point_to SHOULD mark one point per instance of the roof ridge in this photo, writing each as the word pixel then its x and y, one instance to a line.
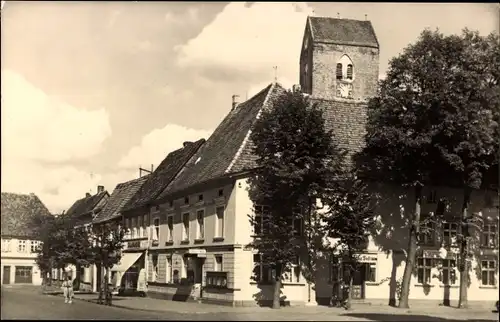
pixel 247 136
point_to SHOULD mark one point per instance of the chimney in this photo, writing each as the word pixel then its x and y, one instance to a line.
pixel 296 88
pixel 235 102
pixel 185 144
pixel 100 189
pixel 87 194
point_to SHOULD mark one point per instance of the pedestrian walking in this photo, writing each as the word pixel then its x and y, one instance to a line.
pixel 67 287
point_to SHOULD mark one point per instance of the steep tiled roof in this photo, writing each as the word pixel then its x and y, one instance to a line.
pixel 18 212
pixel 119 198
pixel 347 121
pixel 163 175
pixel 343 31
pixel 85 206
pixel 227 150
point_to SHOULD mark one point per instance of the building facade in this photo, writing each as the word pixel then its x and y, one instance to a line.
pixel 19 248
pixel 195 259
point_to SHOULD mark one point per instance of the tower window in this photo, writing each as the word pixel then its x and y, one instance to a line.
pixel 339 71
pixel 349 71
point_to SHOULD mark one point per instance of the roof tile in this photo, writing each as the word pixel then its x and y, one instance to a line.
pixel 18 212
pixel 343 31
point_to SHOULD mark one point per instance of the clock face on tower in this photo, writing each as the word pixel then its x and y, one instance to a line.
pixel 344 90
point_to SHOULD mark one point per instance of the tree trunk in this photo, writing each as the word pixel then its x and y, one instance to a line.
pixel 101 287
pixel 277 288
pixel 348 302
pixel 464 267
pixel 412 249
pixel 106 288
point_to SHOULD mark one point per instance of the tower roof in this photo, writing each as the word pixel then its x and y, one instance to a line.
pixel 342 31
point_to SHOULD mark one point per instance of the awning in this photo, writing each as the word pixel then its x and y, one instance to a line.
pixel 127 260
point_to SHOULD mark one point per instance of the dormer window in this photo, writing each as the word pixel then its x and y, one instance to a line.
pixel 339 71
pixel 349 71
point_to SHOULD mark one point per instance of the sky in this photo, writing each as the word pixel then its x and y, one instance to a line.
pixel 93 90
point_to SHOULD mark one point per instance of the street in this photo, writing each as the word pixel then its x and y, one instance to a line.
pixel 30 303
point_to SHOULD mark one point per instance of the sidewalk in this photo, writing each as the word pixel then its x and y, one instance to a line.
pixel 312 312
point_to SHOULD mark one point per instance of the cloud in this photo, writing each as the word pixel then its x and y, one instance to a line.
pixel 41 135
pixel 36 126
pixel 253 41
pixel 155 145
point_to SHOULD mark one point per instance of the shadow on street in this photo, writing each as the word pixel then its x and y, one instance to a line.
pixel 405 317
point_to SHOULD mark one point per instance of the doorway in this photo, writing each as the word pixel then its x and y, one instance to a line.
pixel 6 275
pixel 24 275
pixel 358 283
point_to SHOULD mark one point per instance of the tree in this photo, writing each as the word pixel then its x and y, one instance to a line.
pixel 296 159
pixel 426 124
pixel 348 222
pixel 107 244
pixel 468 136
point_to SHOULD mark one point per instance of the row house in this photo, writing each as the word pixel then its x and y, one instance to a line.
pixel 81 214
pixel 112 213
pixel 19 246
pixel 200 221
pixel 141 221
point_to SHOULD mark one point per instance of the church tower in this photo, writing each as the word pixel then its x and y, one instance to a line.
pixel 339 59
pixel 339 67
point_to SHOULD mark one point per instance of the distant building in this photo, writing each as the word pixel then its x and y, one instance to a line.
pixel 81 213
pixel 112 212
pixel 19 245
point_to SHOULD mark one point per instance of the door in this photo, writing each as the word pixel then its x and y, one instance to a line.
pixel 24 275
pixel 358 283
pixel 6 275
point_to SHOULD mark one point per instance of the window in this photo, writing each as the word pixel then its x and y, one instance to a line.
pixel 133 226
pixel 154 262
pixel 261 224
pixel 35 244
pixel 186 200
pixel 262 271
pixel 219 222
pixel 200 197
pixel 424 266
pixel 140 224
pixel 169 276
pixel 334 269
pixel 295 270
pixel 217 279
pixel 371 272
pixel 24 275
pixel 21 246
pixel 427 232
pixel 450 233
pixel 338 71
pixel 432 197
pixel 489 236
pixel 448 274
pixel 200 220
pixel 171 204
pixel 6 245
pixel 218 263
pixel 170 226
pixel 221 192
pixel 156 230
pixel 298 226
pixel 185 224
pixel 488 270
pixel 349 71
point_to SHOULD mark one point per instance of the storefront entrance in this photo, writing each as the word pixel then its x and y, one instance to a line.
pixel 194 271
pixel 6 275
pixel 24 275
